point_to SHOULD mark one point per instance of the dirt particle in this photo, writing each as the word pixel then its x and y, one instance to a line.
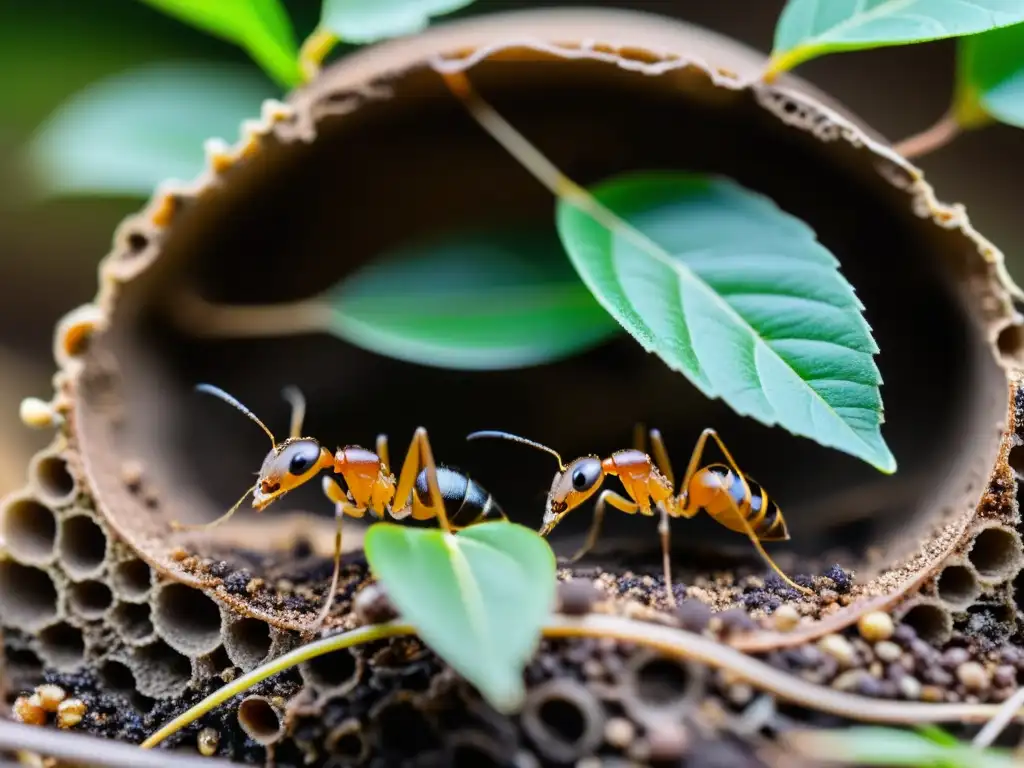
pixel 577 597
pixel 70 713
pixel 973 676
pixel 667 743
pixel 839 648
pixel 843 581
pixel 207 742
pixel 50 696
pixel 28 710
pixel 875 626
pixel 694 615
pixel 909 687
pixel 888 651
pixel 1004 676
pixel 619 732
pixel 786 618
pixel 372 606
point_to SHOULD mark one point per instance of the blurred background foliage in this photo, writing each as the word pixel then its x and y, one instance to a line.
pixel 51 49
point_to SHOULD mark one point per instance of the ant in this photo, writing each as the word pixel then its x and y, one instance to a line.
pixel 421 491
pixel 732 499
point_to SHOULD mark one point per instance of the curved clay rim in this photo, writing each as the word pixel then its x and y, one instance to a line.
pixel 666 47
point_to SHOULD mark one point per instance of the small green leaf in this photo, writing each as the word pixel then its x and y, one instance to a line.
pixel 367 21
pixel 124 134
pixel 484 300
pixel 739 297
pixel 810 28
pixel 990 77
pixel 870 745
pixel 261 27
pixel 478 598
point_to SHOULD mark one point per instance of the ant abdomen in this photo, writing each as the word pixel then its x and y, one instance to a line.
pixel 466 500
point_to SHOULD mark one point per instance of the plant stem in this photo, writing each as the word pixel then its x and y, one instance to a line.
pixel 930 139
pixel 283 663
pixel 314 50
pixel 995 726
pixel 667 640
pixel 203 318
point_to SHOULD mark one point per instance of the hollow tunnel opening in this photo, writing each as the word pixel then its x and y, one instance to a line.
pixel 415 165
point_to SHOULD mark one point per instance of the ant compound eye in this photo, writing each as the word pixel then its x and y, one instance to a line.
pixel 579 480
pixel 586 474
pixel 303 458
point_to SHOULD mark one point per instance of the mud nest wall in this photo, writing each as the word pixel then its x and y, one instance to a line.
pixel 100 594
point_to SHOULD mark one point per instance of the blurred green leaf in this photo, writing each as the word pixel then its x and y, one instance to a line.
pixel 489 299
pixel 367 21
pixel 126 133
pixel 990 77
pixel 741 298
pixel 810 28
pixel 261 27
pixel 870 745
pixel 478 598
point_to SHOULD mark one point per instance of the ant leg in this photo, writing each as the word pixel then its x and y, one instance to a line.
pixel 342 507
pixel 420 455
pixel 666 560
pixel 298 402
pixel 213 524
pixel 621 503
pixel 382 453
pixel 742 518
pixel 430 466
pixel 400 507
pixel 661 456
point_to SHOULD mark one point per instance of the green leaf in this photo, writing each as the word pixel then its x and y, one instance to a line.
pixel 478 598
pixel 810 28
pixel 990 78
pixel 124 134
pixel 261 27
pixel 870 745
pixel 367 21
pixel 739 297
pixel 483 300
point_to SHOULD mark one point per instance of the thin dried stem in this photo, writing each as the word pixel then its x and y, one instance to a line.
pixel 931 139
pixel 995 726
pixel 667 640
pixel 203 318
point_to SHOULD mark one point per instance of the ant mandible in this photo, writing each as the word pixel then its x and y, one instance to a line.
pixel 420 492
pixel 735 501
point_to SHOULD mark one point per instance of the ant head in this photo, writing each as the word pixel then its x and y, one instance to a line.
pixel 287 466
pixel 572 486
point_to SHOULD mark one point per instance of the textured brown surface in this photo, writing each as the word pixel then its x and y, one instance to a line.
pixel 100 590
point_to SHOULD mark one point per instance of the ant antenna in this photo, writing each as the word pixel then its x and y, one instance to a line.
pixel 517 439
pixel 218 392
pixel 296 399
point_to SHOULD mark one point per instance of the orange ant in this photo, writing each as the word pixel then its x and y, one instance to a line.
pixel 734 500
pixel 418 493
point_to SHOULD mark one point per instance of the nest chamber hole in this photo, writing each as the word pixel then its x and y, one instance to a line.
pixel 132 580
pixel 333 672
pixel 662 682
pixel 132 621
pixel 90 599
pixel 995 553
pixel 187 619
pixel 117 677
pixel 260 720
pixel 53 478
pixel 247 642
pixel 28 596
pixel 932 623
pixel 83 545
pixel 29 530
pixel 62 645
pixel 563 719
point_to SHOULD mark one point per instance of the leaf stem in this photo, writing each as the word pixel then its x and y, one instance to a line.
pixel 667 640
pixel 314 50
pixel 783 62
pixel 197 316
pixel 930 139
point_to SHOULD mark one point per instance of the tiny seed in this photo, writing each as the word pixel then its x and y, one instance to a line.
pixel 785 618
pixel 973 676
pixel 619 732
pixel 208 741
pixel 50 696
pixel 910 687
pixel 29 712
pixel 888 651
pixel 37 414
pixel 876 626
pixel 839 648
pixel 70 713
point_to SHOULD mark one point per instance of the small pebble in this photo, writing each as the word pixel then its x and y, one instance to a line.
pixel 973 676
pixel 839 648
pixel 577 597
pixel 932 694
pixel 849 680
pixel 667 743
pixel 739 694
pixel 954 657
pixel 619 732
pixel 1004 676
pixel 735 621
pixel 70 713
pixel 888 651
pixel 27 711
pixel 207 742
pixel 910 688
pixel 372 605
pixel 50 696
pixel 785 618
pixel 875 626
pixel 694 615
